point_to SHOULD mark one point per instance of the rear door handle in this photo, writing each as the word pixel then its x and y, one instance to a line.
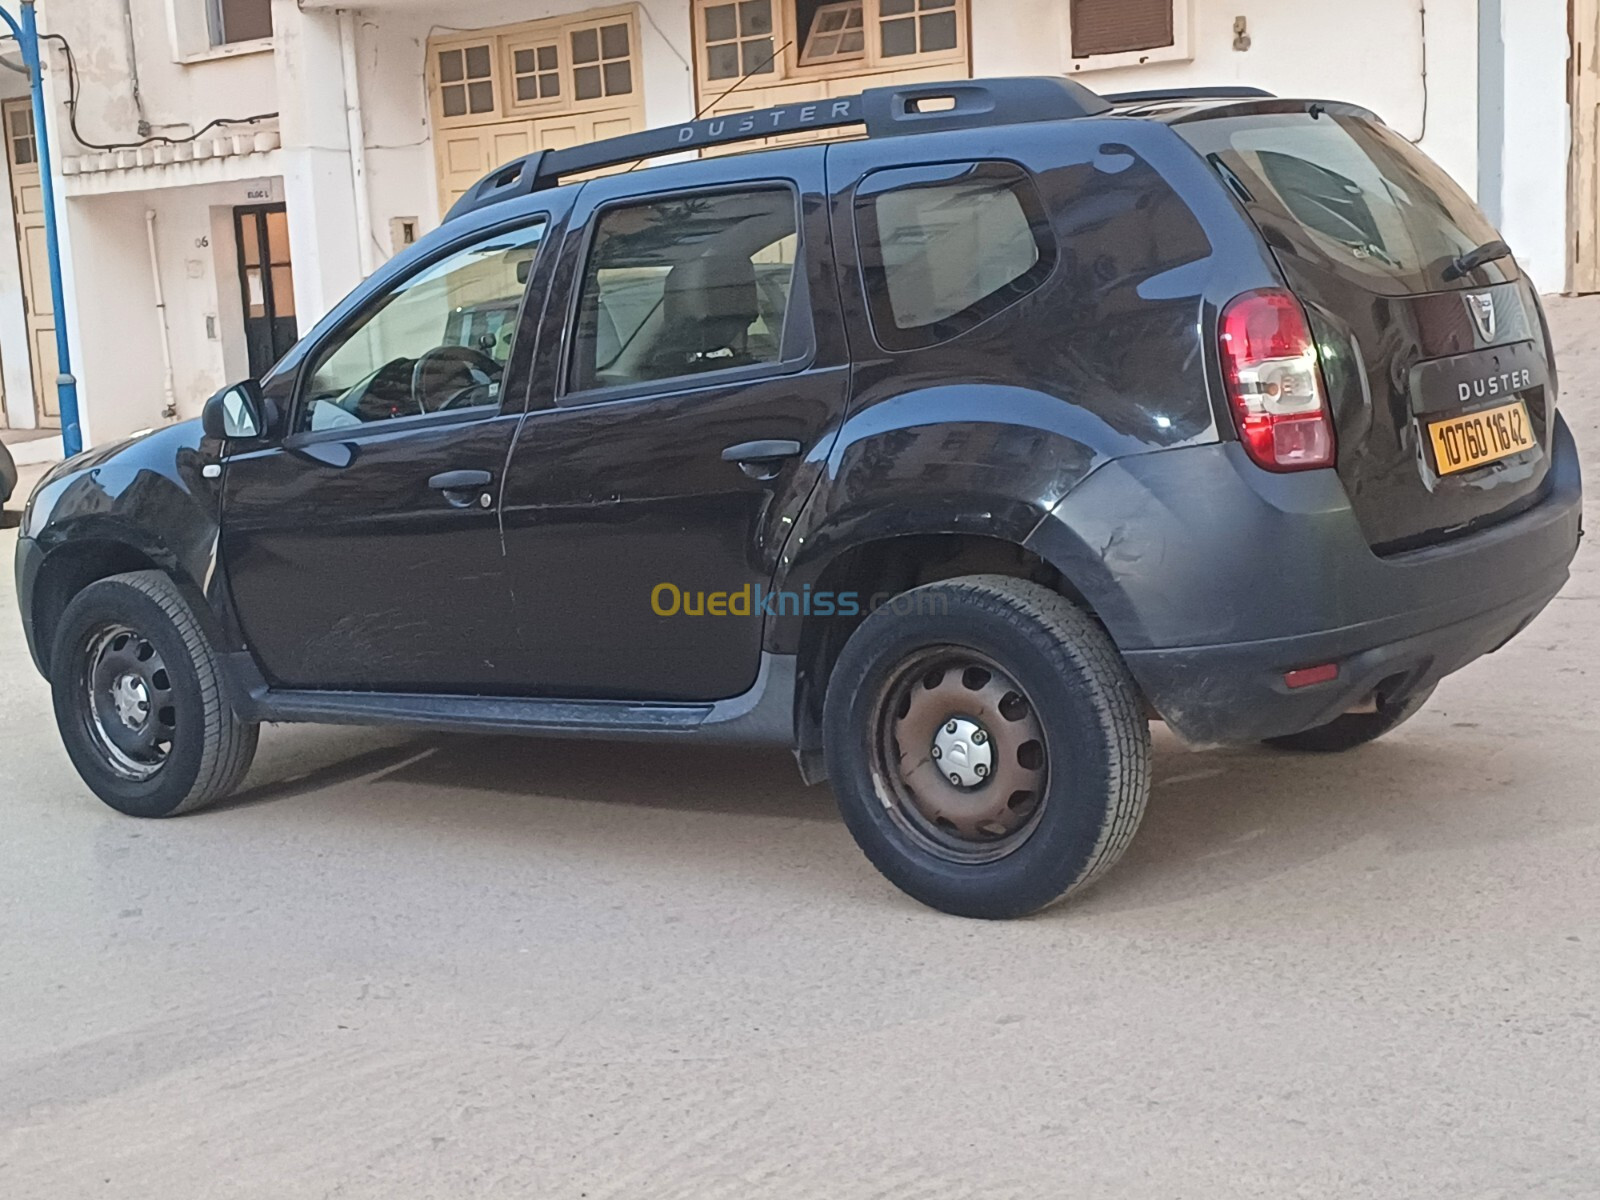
pixel 462 488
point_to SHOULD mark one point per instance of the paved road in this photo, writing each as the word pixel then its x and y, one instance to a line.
pixel 447 967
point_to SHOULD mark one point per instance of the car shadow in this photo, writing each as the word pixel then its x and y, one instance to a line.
pixel 1217 821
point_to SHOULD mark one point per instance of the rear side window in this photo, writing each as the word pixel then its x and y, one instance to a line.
pixel 945 247
pixel 1349 192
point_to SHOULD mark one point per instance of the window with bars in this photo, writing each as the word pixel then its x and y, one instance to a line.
pixel 838 33
pixel 739 39
pixel 466 80
pixel 1120 26
pixel 536 73
pixel 602 63
pixel 908 27
pixel 19 130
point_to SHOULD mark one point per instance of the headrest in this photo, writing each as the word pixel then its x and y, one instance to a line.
pixel 715 290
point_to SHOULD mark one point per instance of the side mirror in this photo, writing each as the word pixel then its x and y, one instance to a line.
pixel 235 412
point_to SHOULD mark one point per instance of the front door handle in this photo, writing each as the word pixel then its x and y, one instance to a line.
pixel 461 488
pixel 761 459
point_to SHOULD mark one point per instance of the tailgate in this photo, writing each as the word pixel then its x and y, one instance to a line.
pixel 1441 380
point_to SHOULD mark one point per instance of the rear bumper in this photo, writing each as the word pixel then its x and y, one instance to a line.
pixel 1235 694
pixel 1216 578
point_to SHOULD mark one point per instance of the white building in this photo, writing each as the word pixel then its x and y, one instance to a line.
pixel 309 143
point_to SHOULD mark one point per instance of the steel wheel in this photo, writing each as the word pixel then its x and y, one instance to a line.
pixel 129 706
pixel 961 761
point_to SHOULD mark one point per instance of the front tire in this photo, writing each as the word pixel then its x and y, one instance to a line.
pixel 139 699
pixel 987 746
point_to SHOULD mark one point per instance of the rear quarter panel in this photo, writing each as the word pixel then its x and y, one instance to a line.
pixel 985 433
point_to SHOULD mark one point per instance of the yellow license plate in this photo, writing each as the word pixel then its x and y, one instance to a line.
pixel 1462 443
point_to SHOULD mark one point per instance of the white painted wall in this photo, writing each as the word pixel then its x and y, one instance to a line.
pixel 1368 52
pixel 178 95
pixel 119 364
pixel 1538 137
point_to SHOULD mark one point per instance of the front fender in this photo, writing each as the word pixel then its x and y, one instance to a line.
pixel 142 501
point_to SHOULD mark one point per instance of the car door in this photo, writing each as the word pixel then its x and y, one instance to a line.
pixel 670 447
pixel 363 549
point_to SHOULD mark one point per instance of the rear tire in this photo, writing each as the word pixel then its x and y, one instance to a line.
pixel 987 746
pixel 1355 729
pixel 140 702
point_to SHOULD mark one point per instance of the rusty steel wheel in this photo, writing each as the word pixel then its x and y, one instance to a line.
pixel 987 745
pixel 962 763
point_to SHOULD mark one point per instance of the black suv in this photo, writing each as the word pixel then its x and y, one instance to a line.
pixel 948 456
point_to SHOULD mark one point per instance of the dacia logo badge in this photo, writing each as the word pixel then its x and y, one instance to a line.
pixel 1481 306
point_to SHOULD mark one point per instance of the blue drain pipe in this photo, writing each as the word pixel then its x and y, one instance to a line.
pixel 27 35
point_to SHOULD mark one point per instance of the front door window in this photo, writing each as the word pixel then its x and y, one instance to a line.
pixel 438 342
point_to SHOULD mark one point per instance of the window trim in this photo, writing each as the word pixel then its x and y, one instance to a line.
pixel 805 335
pixel 1181 50
pixel 886 332
pixel 313 354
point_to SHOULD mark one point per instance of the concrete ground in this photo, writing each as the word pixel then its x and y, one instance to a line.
pixel 446 967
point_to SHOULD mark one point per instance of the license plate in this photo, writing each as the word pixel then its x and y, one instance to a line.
pixel 1462 443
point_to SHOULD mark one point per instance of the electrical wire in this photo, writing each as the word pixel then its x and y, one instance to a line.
pixel 73 89
pixel 1422 14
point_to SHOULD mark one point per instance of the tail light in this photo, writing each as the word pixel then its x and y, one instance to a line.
pixel 1270 364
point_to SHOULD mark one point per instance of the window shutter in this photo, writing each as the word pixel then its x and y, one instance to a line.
pixel 1120 26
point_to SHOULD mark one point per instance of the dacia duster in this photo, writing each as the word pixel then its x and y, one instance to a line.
pixel 949 456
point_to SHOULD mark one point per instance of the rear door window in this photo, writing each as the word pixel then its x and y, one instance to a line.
pixel 945 247
pixel 1351 193
pixel 686 286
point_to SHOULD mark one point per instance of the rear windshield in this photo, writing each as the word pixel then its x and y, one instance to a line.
pixel 1350 194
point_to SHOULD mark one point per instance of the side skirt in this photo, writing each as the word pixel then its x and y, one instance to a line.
pixel 762 716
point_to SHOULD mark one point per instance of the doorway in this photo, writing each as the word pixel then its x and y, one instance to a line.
pixel 27 203
pixel 266 283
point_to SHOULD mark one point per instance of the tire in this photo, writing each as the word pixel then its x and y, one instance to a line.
pixel 1068 754
pixel 1355 729
pixel 139 699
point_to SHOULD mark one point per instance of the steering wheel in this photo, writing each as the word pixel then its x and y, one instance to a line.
pixel 445 363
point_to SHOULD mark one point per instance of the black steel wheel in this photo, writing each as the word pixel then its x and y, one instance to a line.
pixel 139 699
pixel 987 747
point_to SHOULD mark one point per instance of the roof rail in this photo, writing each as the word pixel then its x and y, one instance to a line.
pixel 1156 95
pixel 886 112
